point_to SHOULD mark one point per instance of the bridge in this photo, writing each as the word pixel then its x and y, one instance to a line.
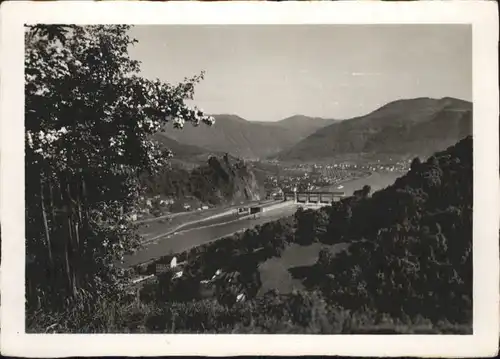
pixel 317 198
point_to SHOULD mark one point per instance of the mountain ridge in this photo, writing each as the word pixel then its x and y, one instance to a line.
pixel 242 138
pixel 417 126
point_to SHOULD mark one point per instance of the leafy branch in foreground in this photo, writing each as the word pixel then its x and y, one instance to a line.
pixel 89 120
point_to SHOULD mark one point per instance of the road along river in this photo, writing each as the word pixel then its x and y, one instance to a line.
pixel 183 240
pixel 194 236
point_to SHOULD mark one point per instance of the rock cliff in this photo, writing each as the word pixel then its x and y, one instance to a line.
pixel 222 180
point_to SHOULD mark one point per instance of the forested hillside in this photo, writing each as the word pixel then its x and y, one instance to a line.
pixel 411 244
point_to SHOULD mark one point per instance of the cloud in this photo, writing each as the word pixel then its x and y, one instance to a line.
pixel 366 74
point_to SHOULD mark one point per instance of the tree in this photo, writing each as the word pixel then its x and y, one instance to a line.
pixel 89 121
pixel 325 259
pixel 362 193
pixel 415 164
pixel 339 222
pixel 305 232
pixel 311 225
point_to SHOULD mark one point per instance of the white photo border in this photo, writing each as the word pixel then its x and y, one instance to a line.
pixel 483 17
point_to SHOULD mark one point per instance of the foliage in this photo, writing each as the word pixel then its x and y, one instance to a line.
pixel 271 313
pixel 311 225
pixel 410 245
pixel 297 313
pixel 89 120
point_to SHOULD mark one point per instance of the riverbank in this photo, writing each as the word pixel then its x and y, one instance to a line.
pixel 226 213
pixel 218 219
pixel 153 229
pixel 184 240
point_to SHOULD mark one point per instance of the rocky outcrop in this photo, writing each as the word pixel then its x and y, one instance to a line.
pixel 233 181
pixel 223 179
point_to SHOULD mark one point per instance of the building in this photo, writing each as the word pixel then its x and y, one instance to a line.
pixel 243 210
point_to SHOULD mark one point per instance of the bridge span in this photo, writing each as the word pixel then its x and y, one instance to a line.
pixel 313 198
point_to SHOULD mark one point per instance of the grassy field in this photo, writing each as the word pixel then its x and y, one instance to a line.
pixel 284 273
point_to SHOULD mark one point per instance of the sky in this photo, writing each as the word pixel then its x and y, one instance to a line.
pixel 267 73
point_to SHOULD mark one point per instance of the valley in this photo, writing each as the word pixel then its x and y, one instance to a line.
pixel 167 233
pixel 285 266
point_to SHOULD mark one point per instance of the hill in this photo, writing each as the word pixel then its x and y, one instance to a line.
pixel 247 139
pixel 410 244
pixel 223 179
pixel 405 127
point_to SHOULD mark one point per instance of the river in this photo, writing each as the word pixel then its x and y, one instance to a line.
pixel 186 239
pixel 377 181
pixel 183 240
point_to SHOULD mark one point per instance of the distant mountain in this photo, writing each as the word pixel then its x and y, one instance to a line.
pixel 300 125
pixel 418 126
pixel 239 137
pixel 179 150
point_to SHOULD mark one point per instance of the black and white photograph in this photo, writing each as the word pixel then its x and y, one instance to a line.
pixel 266 178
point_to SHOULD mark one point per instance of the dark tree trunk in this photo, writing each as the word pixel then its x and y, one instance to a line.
pixel 46 225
